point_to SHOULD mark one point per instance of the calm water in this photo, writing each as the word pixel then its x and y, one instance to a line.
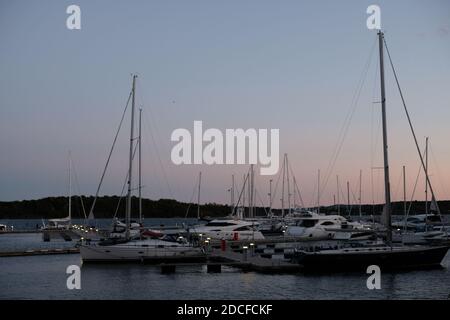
pixel 44 277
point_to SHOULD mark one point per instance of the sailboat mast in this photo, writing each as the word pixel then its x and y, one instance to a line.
pixel 252 191
pixel 270 197
pixel 338 191
pixel 232 190
pixel 348 198
pixel 318 191
pixel 130 166
pixel 198 194
pixel 70 189
pixel 404 191
pixel 140 165
pixel 282 186
pixel 360 191
pixel 387 188
pixel 426 175
pixel 288 185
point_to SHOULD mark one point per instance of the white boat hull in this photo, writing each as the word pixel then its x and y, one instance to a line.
pixel 139 251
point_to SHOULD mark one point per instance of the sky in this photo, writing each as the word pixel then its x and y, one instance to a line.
pixel 289 65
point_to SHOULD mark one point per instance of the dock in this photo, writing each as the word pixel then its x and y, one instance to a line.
pixel 37 252
pixel 249 261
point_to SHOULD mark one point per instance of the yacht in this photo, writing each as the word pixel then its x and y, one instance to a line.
pixel 229 229
pixel 385 256
pixel 153 250
pixel 419 222
pixel 314 226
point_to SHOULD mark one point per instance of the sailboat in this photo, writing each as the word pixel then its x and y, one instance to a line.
pixel 63 223
pixel 129 248
pixel 387 257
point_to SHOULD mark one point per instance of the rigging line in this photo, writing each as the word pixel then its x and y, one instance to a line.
pixel 344 129
pixel 437 169
pixel 110 154
pixel 296 185
pixel 262 202
pixel 240 195
pixel 124 184
pixel 192 197
pixel 411 127
pixel 397 186
pixel 157 135
pixel 147 122
pixel 77 185
pixel 412 196
pixel 274 192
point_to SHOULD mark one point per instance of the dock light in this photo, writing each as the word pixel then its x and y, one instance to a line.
pixel 206 241
pixel 208 238
pixel 244 252
pixel 82 239
pixel 200 235
pixel 252 244
pixel 96 230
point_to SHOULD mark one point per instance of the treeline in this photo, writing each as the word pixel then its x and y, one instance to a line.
pixel 107 206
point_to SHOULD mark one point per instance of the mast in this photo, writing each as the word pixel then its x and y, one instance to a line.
pixel 198 194
pixel 140 164
pixel 318 191
pixel 130 167
pixel 404 191
pixel 282 186
pixel 360 180
pixel 387 191
pixel 232 190
pixel 337 190
pixel 426 175
pixel 348 198
pixel 252 191
pixel 243 195
pixel 295 193
pixel 288 185
pixel 70 190
pixel 270 196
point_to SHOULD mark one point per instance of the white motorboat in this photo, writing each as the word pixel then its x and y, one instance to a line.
pixel 314 226
pixel 229 229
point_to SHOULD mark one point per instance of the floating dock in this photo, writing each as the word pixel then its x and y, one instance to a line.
pixel 249 261
pixel 37 252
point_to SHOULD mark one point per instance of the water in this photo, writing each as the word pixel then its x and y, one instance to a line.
pixel 44 277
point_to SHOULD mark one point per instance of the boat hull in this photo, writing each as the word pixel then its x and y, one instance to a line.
pixel 359 259
pixel 134 253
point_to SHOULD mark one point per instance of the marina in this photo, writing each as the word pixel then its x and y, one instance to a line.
pixel 204 151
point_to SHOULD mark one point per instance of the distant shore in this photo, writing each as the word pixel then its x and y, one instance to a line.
pixel 106 206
